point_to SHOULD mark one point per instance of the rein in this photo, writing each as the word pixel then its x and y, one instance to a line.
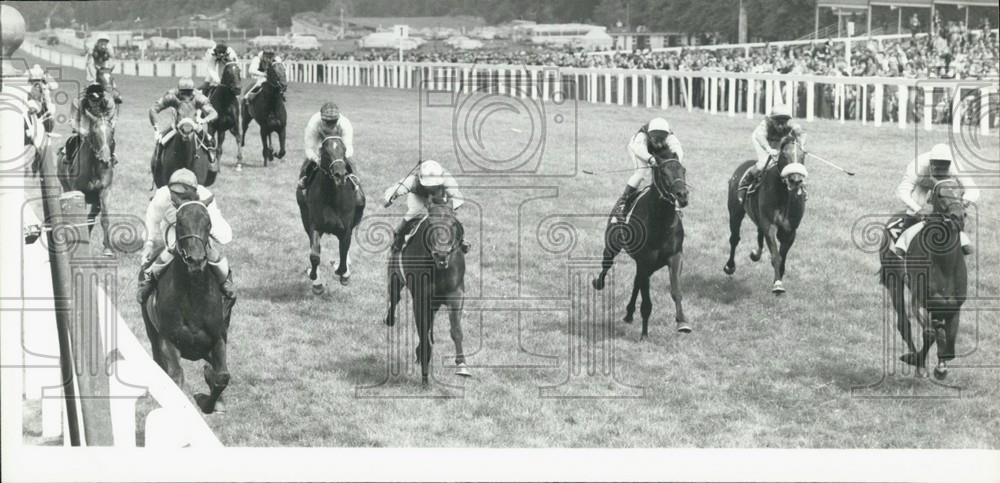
pixel 333 162
pixel 204 242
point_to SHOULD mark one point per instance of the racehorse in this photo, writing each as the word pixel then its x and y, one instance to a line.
pixel 45 111
pixel 105 80
pixel 329 205
pixel 653 235
pixel 776 207
pixel 432 266
pixel 183 147
pixel 934 270
pixel 186 315
pixel 225 99
pixel 268 109
pixel 90 170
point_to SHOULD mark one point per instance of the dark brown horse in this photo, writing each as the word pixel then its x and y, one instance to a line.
pixel 432 266
pixel 86 165
pixel 776 207
pixel 934 270
pixel 329 205
pixel 268 109
pixel 652 233
pixel 225 99
pixel 186 316
pixel 184 148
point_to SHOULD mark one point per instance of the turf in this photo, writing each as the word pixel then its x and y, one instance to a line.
pixel 758 371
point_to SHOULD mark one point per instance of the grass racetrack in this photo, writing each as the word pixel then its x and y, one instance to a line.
pixel 758 370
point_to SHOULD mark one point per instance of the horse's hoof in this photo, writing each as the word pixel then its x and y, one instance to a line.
pixel 643 337
pixel 317 289
pixel 281 155
pixel 598 284
pixel 729 269
pixel 108 253
pixel 755 255
pixel 345 281
pixel 683 327
pixel 239 167
pixel 777 288
pixel 627 319
pixel 909 358
pixel 424 381
pixel 463 371
pixel 940 373
pixel 390 321
pixel 202 401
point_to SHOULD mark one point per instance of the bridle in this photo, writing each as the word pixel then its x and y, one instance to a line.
pixel 236 86
pixel 328 170
pixel 455 237
pixel 664 192
pixel 204 241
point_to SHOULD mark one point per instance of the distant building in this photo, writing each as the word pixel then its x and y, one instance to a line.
pixel 325 26
pixel 568 34
pixel 216 21
pixel 648 40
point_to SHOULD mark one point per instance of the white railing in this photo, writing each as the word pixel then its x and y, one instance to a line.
pixel 31 352
pixel 866 100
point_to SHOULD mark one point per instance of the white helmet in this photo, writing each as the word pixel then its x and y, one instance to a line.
pixel 36 72
pixel 183 177
pixel 781 110
pixel 941 152
pixel 431 174
pixel 659 124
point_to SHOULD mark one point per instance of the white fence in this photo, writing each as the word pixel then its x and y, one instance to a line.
pixel 30 349
pixel 876 101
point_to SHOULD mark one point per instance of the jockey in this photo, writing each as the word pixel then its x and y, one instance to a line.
pixel 915 188
pixel 431 180
pixel 36 75
pixel 94 103
pixel 258 71
pixel 157 252
pixel 184 93
pixel 766 138
pixel 327 122
pixel 99 58
pixel 653 139
pixel 214 61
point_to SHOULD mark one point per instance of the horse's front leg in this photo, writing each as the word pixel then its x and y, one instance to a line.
pixel 736 215
pixel 785 239
pixel 344 268
pixel 238 134
pixel 676 264
pixel 630 308
pixel 265 142
pixel 646 308
pixel 756 253
pixel 315 247
pixel 946 332
pixel 611 249
pixel 220 138
pixel 454 304
pixel 771 238
pixel 281 143
pixel 102 206
pixel 217 378
pixel 396 282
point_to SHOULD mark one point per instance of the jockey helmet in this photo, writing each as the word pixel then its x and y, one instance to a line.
pixel 185 84
pixel 329 112
pixel 431 174
pixel 182 180
pixel 220 49
pixel 659 124
pixel 36 73
pixel 940 153
pixel 781 110
pixel 94 90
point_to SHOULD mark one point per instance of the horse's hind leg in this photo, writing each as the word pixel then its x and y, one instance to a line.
pixel 395 287
pixel 102 202
pixel 756 253
pixel 735 224
pixel 172 362
pixel 220 139
pixel 344 269
pixel 237 133
pixel 646 308
pixel 611 250
pixel 946 331
pixel 455 318
pixel 217 378
pixel 281 143
pixel 630 308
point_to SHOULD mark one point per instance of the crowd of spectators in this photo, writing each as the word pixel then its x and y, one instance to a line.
pixel 953 52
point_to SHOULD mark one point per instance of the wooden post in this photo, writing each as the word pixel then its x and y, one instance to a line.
pixel 903 111
pixel 649 90
pixel 810 101
pixel 878 104
pixel 928 107
pixel 984 109
pixel 621 88
pixel 592 88
pixel 607 88
pixel 751 106
pixel 689 93
pixel 731 83
pixel 863 90
pixel 635 90
pixel 664 91
pixel 957 108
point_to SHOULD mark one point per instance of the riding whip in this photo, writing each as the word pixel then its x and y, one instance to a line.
pixel 849 173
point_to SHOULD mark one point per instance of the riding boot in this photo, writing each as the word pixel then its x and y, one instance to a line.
pixel 225 277
pixel 399 235
pixel 148 274
pixel 359 193
pixel 623 201
pixel 306 174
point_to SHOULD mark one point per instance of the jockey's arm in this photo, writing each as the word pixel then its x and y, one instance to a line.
pixel 154 216
pixel 208 113
pixel 637 146
pixel 675 147
pixel 401 188
pixel 759 136
pixel 155 109
pixel 91 69
pixel 221 231
pixel 347 133
pixel 254 69
pixel 971 190
pixel 313 138
pixel 904 191
pixel 451 187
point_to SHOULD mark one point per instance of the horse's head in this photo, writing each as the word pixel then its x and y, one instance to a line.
pixel 948 202
pixel 669 179
pixel 332 159
pixel 186 121
pixel 100 134
pixel 192 230
pixel 276 75
pixel 104 76
pixel 444 233
pixel 791 163
pixel 231 76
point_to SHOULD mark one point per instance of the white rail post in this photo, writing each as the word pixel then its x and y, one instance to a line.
pixel 557 91
pixel 984 109
pixel 769 95
pixel 751 102
pixel 878 100
pixel 592 88
pixel 731 83
pixel 863 90
pixel 810 101
pixel 649 90
pixel 664 91
pixel 957 109
pixel 841 102
pixel 607 88
pixel 635 89
pixel 928 107
pixel 903 105
pixel 534 76
pixel 689 93
pixel 545 85
pixel 501 73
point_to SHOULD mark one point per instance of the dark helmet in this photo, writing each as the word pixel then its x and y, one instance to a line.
pixel 94 90
pixel 220 49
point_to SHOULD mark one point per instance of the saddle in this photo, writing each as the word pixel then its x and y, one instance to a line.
pixel 624 214
pixel 414 226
